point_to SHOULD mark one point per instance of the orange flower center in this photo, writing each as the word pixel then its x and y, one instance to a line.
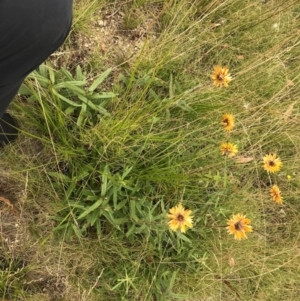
pixel 220 77
pixel 180 217
pixel 238 226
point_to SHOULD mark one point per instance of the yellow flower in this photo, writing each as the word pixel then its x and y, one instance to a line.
pixel 220 76
pixel 228 149
pixel 276 194
pixel 238 225
pixel 180 218
pixel 228 122
pixel 271 163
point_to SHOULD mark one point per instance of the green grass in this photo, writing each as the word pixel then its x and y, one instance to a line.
pixel 111 140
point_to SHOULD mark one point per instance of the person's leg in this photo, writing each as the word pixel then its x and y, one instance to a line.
pixel 8 125
pixel 30 30
pixel 7 93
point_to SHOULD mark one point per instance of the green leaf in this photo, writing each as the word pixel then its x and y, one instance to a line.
pixel 98 227
pixel 91 208
pixel 92 198
pixel 110 218
pixel 131 230
pixel 67 74
pixel 76 231
pixel 74 88
pixel 59 176
pixel 51 75
pixel 99 80
pixel 70 190
pixel 126 172
pixel 25 90
pixel 120 221
pixel 140 229
pixel 43 81
pixel 60 227
pixel 82 114
pixel 69 110
pixel 65 84
pixel 104 180
pixel 101 110
pixel 103 95
pixel 120 205
pixel 123 78
pixel 153 95
pixel 43 70
pixel 93 218
pixel 184 238
pixel 93 106
pixel 78 206
pixel 84 173
pixel 132 212
pixel 79 74
pixel 172 281
pixel 70 102
pixel 115 195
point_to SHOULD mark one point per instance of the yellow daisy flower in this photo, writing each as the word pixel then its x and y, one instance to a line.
pixel 180 218
pixel 272 163
pixel 276 194
pixel 228 122
pixel 228 149
pixel 220 76
pixel 238 225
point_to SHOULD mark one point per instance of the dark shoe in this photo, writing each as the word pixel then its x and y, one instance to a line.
pixel 8 129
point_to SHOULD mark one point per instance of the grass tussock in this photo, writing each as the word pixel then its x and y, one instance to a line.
pixel 130 132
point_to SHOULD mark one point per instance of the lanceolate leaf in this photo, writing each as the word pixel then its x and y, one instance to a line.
pixel 99 80
pixel 91 208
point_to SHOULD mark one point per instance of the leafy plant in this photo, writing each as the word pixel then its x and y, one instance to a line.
pixel 78 95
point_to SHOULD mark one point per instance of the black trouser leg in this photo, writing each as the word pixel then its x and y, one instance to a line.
pixel 30 30
pixel 7 93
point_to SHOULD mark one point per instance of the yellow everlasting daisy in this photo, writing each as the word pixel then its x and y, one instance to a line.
pixel 228 122
pixel 220 76
pixel 272 163
pixel 238 225
pixel 180 218
pixel 228 149
pixel 276 194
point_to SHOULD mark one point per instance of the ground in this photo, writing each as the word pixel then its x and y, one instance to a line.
pixel 123 123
